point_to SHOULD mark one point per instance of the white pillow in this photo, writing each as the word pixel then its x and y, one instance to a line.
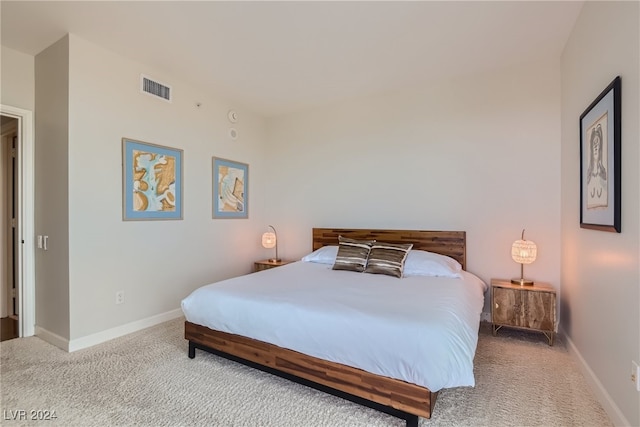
pixel 423 263
pixel 324 255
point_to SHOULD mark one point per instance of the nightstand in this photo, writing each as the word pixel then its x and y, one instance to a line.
pixel 266 264
pixel 523 307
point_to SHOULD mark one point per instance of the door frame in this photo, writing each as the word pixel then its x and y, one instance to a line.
pixel 26 219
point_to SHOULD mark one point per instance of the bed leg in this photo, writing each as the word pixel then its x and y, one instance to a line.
pixel 412 420
pixel 192 350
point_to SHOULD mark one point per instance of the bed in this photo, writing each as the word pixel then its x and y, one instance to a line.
pixel 256 320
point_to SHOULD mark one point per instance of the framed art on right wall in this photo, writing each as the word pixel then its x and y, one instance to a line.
pixel 600 161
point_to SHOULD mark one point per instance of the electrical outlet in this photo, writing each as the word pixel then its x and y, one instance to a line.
pixel 635 374
pixel 120 297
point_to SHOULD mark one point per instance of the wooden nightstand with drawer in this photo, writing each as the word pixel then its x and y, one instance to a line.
pixel 266 264
pixel 523 307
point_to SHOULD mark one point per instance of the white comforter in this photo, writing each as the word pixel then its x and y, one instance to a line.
pixel 423 330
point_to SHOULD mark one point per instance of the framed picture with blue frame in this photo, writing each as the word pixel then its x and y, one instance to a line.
pixel 151 182
pixel 230 189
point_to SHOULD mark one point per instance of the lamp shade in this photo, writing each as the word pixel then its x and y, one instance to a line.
pixel 524 251
pixel 268 240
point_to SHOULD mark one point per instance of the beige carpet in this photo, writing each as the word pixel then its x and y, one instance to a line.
pixel 146 379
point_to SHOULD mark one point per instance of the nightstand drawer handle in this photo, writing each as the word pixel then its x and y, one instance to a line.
pixel 497 306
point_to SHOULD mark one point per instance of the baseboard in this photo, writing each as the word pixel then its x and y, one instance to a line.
pixel 109 334
pixel 51 338
pixel 485 317
pixel 610 407
pixel 119 331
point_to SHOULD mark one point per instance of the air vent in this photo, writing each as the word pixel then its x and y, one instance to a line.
pixel 155 88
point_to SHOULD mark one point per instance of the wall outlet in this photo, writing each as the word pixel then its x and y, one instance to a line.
pixel 120 297
pixel 635 374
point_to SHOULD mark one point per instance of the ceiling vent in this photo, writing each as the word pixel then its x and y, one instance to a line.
pixel 155 88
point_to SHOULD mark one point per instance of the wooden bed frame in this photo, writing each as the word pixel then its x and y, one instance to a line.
pixel 398 398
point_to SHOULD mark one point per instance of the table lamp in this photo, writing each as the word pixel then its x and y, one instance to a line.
pixel 270 240
pixel 523 252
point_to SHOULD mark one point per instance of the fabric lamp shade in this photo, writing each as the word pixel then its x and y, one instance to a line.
pixel 268 240
pixel 524 251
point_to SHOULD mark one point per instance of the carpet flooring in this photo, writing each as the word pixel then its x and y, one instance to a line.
pixel 146 379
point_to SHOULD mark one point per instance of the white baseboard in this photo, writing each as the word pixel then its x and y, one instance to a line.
pixel 610 407
pixel 51 338
pixel 109 334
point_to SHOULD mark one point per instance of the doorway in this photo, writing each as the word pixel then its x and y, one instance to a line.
pixel 17 251
pixel 9 302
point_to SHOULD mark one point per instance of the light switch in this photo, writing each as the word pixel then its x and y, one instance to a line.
pixel 40 242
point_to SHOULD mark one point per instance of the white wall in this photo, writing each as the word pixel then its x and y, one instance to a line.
pixel 156 263
pixel 17 79
pixel 600 270
pixel 51 188
pixel 88 99
pixel 479 153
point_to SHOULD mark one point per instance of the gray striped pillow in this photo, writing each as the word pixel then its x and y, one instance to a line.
pixel 352 254
pixel 387 258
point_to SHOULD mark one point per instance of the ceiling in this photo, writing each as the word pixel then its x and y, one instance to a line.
pixel 281 57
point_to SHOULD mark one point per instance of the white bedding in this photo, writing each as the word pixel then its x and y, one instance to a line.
pixel 423 330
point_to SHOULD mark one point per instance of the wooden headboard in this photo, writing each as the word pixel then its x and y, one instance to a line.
pixel 449 243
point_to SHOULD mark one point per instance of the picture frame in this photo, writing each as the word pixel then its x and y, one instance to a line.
pixel 146 195
pixel 600 161
pixel 230 189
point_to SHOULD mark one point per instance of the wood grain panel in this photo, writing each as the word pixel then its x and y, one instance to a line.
pixel 506 308
pixel 449 243
pixel 397 394
pixel 541 307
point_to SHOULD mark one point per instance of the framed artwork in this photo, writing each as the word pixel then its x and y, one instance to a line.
pixel 600 161
pixel 151 181
pixel 230 189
